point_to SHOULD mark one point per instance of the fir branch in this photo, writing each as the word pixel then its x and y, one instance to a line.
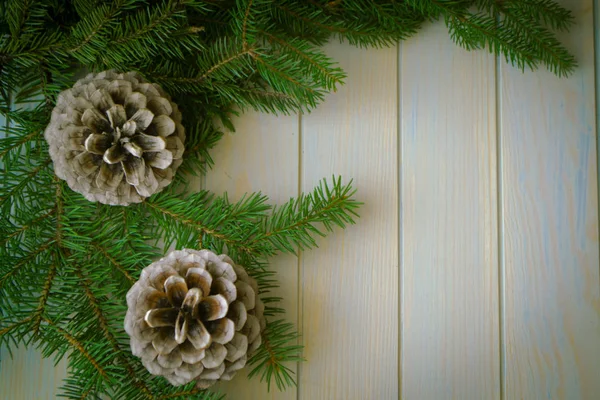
pixel 114 262
pixel 185 395
pixel 24 17
pixel 26 260
pixel 222 64
pixel 59 208
pixel 310 21
pixel 279 72
pixel 245 26
pixel 278 347
pixel 360 29
pixel 101 16
pixel 152 32
pixel 31 175
pixel 24 321
pixel 24 140
pixel 83 7
pixel 259 98
pixel 86 393
pixel 200 229
pixel 539 11
pixel 292 226
pixel 16 15
pixel 545 47
pixel 45 81
pixel 286 77
pixel 144 23
pixel 43 301
pixel 27 53
pixel 104 326
pixel 27 226
pixel 217 63
pixel 317 61
pixel 76 345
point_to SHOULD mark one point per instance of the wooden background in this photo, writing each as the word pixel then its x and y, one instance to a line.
pixel 473 272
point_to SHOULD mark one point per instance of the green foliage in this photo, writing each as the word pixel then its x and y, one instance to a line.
pixel 66 263
pixel 279 347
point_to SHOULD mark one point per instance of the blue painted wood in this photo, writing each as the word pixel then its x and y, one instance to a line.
pixel 550 214
pixel 28 376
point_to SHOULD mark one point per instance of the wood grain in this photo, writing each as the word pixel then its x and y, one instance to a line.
pixel 261 156
pixel 350 284
pixel 549 180
pixel 450 344
pixel 28 376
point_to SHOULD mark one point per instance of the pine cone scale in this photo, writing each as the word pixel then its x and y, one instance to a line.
pixel 134 170
pixel 101 99
pixel 237 312
pixel 86 164
pixel 164 342
pixel 181 327
pixel 134 102
pixel 97 143
pixel 237 347
pixel 95 121
pixel 212 308
pixel 119 90
pixel 116 116
pixel 221 330
pixel 114 154
pixel 109 177
pixel 176 289
pixel 175 146
pixel 191 354
pixel 199 278
pixel 191 302
pixel 150 143
pixel 159 317
pixel 198 335
pixel 164 125
pixel 171 360
pixel 159 106
pixel 132 148
pixel 226 289
pixel 214 356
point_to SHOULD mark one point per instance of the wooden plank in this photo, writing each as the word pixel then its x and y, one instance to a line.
pixel 350 284
pixel 261 156
pixel 549 181
pixel 29 376
pixel 449 303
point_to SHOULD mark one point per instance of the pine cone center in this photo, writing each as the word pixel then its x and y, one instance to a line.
pixel 120 139
pixel 188 309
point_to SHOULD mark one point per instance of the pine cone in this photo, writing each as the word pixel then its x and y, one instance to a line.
pixel 115 138
pixel 194 315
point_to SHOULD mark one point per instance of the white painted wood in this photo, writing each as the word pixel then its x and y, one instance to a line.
pixel 261 156
pixel 350 284
pixel 28 376
pixel 549 180
pixel 450 347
